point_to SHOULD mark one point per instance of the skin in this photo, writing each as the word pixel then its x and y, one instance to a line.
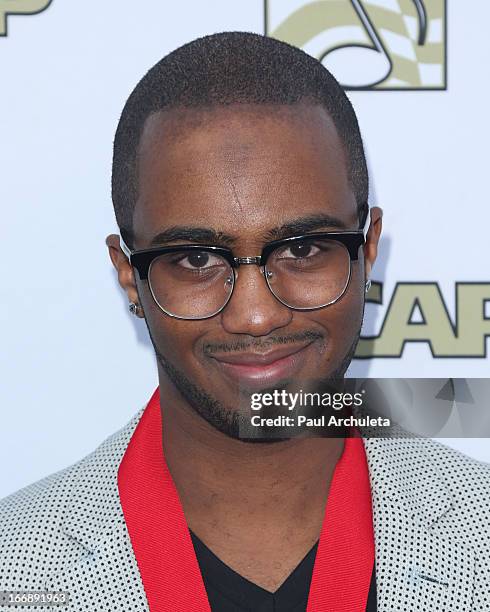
pixel 243 171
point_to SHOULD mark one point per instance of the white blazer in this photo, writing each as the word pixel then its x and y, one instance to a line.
pixel 431 512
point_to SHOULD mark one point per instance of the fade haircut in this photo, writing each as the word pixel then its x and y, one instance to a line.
pixel 225 69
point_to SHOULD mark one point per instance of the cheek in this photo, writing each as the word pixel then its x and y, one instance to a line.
pixel 343 319
pixel 348 310
pixel 174 338
pixel 351 303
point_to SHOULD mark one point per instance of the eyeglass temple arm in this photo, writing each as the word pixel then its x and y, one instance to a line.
pixel 124 248
pixel 364 215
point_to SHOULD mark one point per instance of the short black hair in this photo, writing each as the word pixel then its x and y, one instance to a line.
pixel 223 69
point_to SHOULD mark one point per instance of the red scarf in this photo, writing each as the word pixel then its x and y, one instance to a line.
pixel 165 553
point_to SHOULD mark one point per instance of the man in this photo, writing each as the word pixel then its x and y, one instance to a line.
pixel 240 189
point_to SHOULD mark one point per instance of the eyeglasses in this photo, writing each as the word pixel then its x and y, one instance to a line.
pixel 195 281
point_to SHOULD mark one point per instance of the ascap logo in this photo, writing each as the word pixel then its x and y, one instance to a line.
pixel 368 44
pixel 19 7
pixel 417 312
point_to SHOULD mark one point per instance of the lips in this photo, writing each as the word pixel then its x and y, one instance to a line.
pixel 261 369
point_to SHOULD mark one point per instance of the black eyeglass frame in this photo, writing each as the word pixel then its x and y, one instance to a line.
pixel 141 260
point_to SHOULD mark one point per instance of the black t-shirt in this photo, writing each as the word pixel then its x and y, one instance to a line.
pixel 229 592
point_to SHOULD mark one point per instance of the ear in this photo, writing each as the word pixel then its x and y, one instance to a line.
pixel 372 239
pixel 125 273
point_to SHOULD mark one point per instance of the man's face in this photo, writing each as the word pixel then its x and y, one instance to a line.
pixel 246 172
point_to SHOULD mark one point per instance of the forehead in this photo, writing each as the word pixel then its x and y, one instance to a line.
pixel 240 169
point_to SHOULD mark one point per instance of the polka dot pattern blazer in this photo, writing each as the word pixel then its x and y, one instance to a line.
pixel 431 513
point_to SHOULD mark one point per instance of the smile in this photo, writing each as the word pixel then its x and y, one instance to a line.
pixel 262 369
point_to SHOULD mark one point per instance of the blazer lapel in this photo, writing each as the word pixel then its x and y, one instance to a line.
pixel 105 576
pixel 420 565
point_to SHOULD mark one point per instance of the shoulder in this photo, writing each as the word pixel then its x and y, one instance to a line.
pixel 467 518
pixel 47 496
pixel 30 535
pixel 32 540
pixel 410 454
pixel 467 479
pixel 423 472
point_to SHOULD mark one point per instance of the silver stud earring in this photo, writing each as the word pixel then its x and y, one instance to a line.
pixel 368 285
pixel 134 308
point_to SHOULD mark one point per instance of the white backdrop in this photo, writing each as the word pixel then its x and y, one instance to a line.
pixel 75 366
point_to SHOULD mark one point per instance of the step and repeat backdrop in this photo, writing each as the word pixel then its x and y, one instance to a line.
pixel 75 366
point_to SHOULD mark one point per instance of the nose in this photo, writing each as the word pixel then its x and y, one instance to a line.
pixel 252 308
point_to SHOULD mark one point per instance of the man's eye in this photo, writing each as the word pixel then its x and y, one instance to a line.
pixel 300 250
pixel 199 260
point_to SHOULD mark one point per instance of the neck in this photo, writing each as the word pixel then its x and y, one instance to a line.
pixel 229 488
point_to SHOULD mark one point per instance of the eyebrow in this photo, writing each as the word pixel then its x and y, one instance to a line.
pixel 303 225
pixel 204 235
pixel 207 235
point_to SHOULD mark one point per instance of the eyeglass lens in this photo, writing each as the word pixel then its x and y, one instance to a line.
pixel 305 274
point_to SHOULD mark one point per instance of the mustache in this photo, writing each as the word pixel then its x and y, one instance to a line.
pixel 210 348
